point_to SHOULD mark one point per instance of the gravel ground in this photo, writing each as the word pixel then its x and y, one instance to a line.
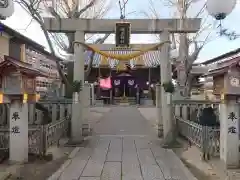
pixel 39 169
pixel 193 162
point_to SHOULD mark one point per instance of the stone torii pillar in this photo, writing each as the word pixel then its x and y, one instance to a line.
pixel 166 76
pixel 78 74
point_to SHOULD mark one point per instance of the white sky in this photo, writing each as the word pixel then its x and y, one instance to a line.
pixel 20 20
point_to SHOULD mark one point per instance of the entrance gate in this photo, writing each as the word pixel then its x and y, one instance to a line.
pixel 138 26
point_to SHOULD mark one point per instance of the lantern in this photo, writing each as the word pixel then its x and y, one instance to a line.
pixel 6 9
pixel 219 9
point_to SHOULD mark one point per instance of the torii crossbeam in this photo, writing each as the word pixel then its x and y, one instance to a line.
pixel 138 26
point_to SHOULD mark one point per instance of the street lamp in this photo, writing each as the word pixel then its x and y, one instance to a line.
pixel 6 9
pixel 219 9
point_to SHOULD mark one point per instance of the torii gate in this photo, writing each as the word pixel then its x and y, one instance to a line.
pixel 138 26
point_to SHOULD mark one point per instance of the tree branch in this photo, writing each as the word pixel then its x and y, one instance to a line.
pixel 89 5
pixel 37 17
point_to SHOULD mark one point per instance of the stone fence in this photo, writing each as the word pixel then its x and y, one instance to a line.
pixel 45 129
pixel 35 127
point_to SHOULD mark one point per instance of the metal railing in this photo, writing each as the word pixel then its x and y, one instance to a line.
pixel 187 119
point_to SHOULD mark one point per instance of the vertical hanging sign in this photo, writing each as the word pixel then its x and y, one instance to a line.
pixel 123 32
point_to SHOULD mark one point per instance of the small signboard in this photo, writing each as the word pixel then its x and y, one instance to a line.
pixel 122 36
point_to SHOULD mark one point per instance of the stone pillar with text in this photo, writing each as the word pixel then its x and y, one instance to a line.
pixel 229 132
pixel 18 142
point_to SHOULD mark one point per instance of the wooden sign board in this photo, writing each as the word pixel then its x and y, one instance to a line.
pixel 122 34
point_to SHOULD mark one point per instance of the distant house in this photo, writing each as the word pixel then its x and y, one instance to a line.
pixel 218 64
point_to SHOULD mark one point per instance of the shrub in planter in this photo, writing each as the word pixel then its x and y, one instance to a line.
pixel 77 86
pixel 168 87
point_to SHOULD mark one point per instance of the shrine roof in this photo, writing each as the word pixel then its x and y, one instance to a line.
pixel 224 57
pixel 223 67
pixel 23 66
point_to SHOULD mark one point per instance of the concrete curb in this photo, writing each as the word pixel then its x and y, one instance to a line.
pixel 58 173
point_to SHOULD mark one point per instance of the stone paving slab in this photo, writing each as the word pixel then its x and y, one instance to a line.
pixel 112 171
pixel 124 148
pixel 136 159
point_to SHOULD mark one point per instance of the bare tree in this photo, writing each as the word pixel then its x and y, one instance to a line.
pixel 77 9
pixel 188 45
pixel 67 9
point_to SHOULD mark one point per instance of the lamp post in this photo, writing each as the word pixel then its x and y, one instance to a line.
pixel 220 9
pixel 6 9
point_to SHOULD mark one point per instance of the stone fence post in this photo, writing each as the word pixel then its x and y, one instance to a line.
pixel 229 132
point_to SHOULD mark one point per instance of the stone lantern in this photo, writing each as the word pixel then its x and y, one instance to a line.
pixel 226 85
pixel 18 89
pixel 220 9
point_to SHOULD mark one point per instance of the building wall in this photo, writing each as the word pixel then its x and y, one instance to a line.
pixel 24 52
pixel 43 63
pixel 15 49
pixel 4 45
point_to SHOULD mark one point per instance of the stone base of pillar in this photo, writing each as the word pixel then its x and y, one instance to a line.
pixel 160 130
pixel 74 143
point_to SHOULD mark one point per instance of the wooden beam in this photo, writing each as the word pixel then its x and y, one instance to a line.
pixel 108 47
pixel 138 26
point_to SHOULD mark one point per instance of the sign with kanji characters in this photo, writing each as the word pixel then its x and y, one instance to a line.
pixel 18 131
pixel 15 116
pixel 122 34
pixel 232 122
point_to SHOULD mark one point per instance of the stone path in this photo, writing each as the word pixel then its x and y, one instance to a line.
pixel 124 148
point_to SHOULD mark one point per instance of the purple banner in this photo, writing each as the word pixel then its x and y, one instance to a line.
pixel 117 82
pixel 131 82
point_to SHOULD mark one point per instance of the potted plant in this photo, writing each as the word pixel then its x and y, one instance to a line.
pixel 76 87
pixel 168 87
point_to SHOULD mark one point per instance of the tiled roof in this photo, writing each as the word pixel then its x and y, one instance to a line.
pixel 25 67
pixel 149 59
pixel 223 68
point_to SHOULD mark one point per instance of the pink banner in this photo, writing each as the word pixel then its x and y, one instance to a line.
pixel 105 83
